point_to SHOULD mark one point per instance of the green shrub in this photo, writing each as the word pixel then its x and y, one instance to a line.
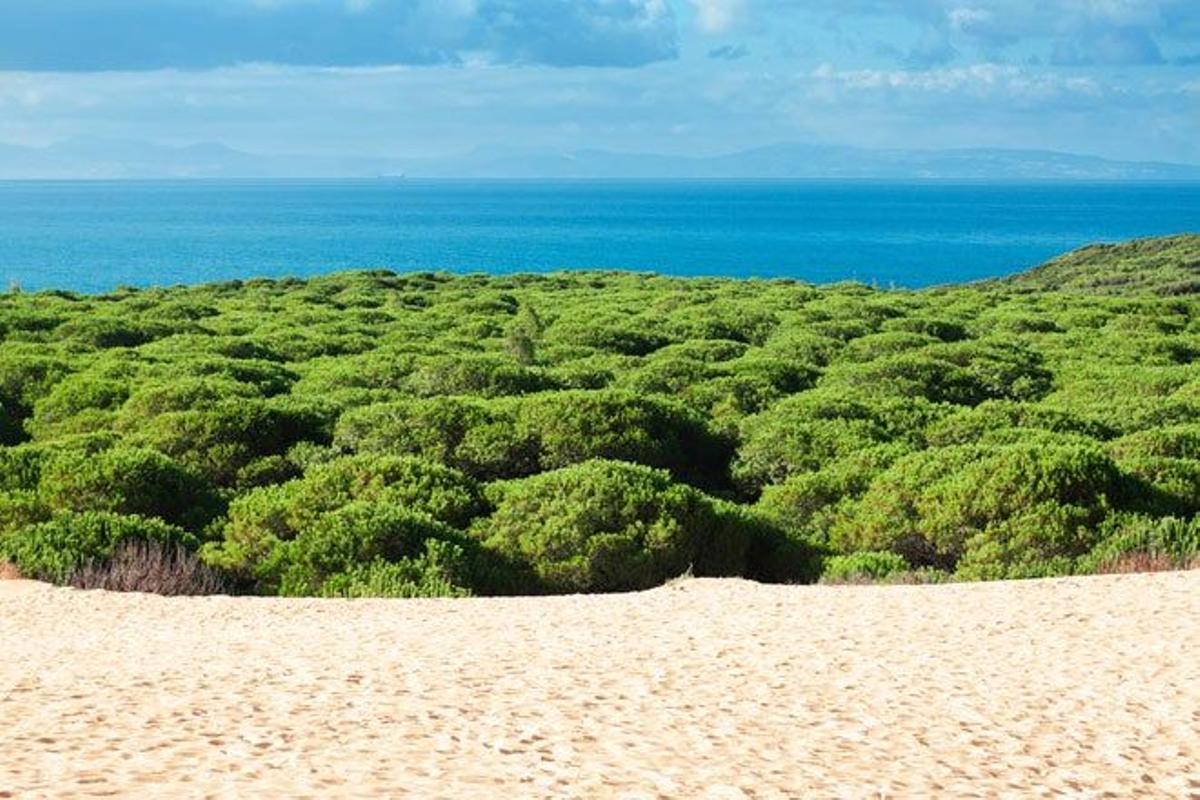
pixel 801 345
pixel 21 467
pixel 785 377
pixel 669 374
pixel 26 378
pixel 862 567
pixel 971 425
pixel 181 394
pixel 353 542
pixel 1177 540
pixel 1168 486
pixel 489 439
pixel 572 427
pixel 996 430
pixel 427 576
pixel 777 448
pixel 808 431
pixel 484 375
pixel 19 508
pixel 124 481
pixel 267 377
pixel 723 321
pixel 475 436
pixel 1041 541
pixel 911 374
pixel 626 337
pixel 944 329
pixel 53 550
pixel 807 504
pixel 1171 441
pixel 605 526
pixel 260 519
pixel 72 398
pixel 934 506
pixel 219 441
pixel 889 343
pixel 1125 398
pixel 103 332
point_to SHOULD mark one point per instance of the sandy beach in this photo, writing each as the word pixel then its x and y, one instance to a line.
pixel 1084 687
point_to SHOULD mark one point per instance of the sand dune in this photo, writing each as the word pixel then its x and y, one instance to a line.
pixel 1083 687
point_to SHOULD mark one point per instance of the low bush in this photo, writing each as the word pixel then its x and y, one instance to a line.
pixel 475 436
pixel 868 566
pixel 999 430
pixel 605 526
pixel 1132 539
pixel 520 436
pixel 430 575
pixel 483 375
pixel 219 441
pixel 572 427
pixel 807 505
pixel 1002 505
pixel 261 519
pixel 125 481
pixel 972 425
pixel 369 546
pixel 808 431
pixel 54 550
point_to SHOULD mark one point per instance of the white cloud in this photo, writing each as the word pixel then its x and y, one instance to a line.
pixel 1079 32
pixel 965 19
pixel 203 34
pixel 1003 85
pixel 718 16
pixel 501 84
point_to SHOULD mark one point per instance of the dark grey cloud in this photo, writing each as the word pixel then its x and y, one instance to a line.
pixel 95 35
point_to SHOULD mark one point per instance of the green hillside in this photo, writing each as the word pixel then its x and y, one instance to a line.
pixel 378 434
pixel 1168 266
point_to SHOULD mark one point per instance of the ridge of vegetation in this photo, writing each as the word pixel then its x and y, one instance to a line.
pixel 368 434
pixel 1166 265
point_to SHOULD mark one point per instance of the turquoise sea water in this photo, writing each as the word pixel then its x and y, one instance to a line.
pixel 93 236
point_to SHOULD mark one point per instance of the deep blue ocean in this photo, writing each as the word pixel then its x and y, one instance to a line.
pixel 93 236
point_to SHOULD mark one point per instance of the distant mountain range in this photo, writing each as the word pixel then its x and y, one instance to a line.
pixel 108 158
pixel 116 158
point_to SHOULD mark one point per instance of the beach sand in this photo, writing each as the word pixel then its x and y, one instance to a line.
pixel 1081 687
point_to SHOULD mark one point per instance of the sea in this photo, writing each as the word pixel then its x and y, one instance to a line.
pixel 93 236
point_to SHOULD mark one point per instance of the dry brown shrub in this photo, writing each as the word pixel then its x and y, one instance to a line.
pixel 9 572
pixel 1129 563
pixel 150 567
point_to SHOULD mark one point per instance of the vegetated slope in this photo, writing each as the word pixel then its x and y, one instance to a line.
pixel 378 434
pixel 1168 266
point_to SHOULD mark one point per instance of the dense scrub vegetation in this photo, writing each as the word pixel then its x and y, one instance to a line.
pixel 1166 266
pixel 378 434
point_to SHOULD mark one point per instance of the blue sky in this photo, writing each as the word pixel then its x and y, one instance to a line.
pixel 1118 78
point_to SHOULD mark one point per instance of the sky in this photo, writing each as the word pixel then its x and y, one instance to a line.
pixel 415 78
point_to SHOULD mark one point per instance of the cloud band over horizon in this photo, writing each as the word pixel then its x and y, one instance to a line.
pixel 1119 78
pixel 73 36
